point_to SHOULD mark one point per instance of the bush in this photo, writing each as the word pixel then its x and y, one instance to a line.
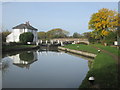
pixel 26 37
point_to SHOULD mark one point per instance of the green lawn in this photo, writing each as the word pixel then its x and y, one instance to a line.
pixel 113 50
pixel 86 48
pixel 104 67
pixel 104 70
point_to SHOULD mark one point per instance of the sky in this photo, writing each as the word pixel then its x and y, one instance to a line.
pixel 70 16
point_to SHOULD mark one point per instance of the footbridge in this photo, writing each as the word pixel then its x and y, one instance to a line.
pixel 62 41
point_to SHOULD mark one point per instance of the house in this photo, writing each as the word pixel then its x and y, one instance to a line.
pixel 19 29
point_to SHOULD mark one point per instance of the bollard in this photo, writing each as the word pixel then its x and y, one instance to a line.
pixel 98 51
pixel 91 80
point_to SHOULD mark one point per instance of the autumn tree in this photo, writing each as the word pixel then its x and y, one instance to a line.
pixel 41 35
pixel 57 33
pixel 103 22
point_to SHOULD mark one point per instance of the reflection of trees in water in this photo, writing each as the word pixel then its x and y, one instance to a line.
pixel 11 53
pixel 48 48
pixel 26 56
pixel 20 58
pixel 25 59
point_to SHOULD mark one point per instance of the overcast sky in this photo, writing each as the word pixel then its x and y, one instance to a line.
pixel 70 16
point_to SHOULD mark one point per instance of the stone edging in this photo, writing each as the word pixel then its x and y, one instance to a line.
pixel 78 52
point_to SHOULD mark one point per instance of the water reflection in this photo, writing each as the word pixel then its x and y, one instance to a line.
pixel 24 59
pixel 4 65
pixel 48 48
pixel 44 68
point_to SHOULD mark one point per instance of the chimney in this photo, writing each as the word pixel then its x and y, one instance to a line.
pixel 27 23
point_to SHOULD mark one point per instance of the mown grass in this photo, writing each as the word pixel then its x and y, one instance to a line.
pixel 104 67
pixel 113 50
pixel 105 72
pixel 85 48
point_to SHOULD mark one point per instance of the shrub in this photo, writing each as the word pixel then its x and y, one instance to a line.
pixel 26 37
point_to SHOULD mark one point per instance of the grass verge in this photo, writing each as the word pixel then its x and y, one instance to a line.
pixel 85 48
pixel 104 67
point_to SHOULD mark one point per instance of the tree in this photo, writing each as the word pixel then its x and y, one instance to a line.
pixel 57 33
pixel 41 35
pixel 103 22
pixel 111 37
pixel 26 37
pixel 4 34
pixel 87 34
pixel 76 35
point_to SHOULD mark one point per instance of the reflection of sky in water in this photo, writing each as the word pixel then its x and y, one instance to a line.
pixel 51 70
pixel 44 53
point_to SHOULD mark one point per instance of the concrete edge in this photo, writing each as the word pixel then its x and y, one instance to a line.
pixel 91 55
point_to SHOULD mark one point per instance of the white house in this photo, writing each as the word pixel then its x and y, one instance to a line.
pixel 19 29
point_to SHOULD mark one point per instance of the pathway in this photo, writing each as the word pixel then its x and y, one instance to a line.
pixel 113 55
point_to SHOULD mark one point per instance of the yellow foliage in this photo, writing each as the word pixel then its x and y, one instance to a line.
pixel 103 21
pixel 104 33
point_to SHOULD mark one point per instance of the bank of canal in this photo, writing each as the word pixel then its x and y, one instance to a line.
pixel 12 48
pixel 104 69
pixel 86 54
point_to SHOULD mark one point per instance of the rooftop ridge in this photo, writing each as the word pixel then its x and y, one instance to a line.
pixel 24 26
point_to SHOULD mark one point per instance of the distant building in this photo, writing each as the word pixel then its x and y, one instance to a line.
pixel 19 29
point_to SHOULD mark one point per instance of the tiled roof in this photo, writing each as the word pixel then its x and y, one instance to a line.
pixel 24 26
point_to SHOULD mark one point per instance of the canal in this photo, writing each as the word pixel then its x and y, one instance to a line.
pixel 46 67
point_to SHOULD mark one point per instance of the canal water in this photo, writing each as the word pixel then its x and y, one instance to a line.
pixel 43 68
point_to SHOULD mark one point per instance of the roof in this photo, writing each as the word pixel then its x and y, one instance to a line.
pixel 24 26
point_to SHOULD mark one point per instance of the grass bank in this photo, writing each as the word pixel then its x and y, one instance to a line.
pixel 104 67
pixel 18 47
pixel 85 48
